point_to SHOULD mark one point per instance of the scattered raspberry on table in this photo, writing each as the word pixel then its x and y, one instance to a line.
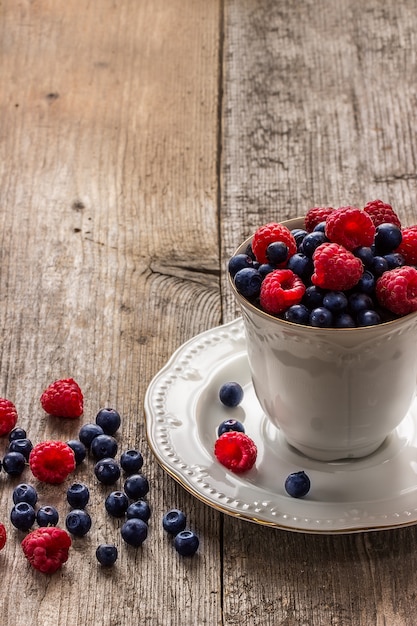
pixel 63 398
pixel 8 416
pixel 52 461
pixel 47 548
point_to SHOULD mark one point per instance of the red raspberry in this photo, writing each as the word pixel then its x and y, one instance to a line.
pixel 350 227
pixel 396 290
pixel 8 416
pixel 316 215
pixel 3 536
pixel 236 451
pixel 408 245
pixel 51 461
pixel 335 268
pixel 63 398
pixel 270 233
pixel 382 213
pixel 47 548
pixel 281 289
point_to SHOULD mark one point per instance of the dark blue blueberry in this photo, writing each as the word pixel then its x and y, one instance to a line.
pixel 25 493
pixel 320 227
pixel 250 252
pixel 47 516
pixel 88 432
pixel 103 447
pixel 366 283
pixel 264 269
pixel 107 471
pixel 379 265
pixel 344 320
pixel 297 314
pixel 335 301
pixel 298 234
pixel 387 238
pixel 368 317
pixel 116 503
pixel 231 394
pixel 134 531
pixel 24 446
pixel 365 254
pixel 297 484
pixel 301 265
pixel 321 317
pixel 131 461
pixel 79 449
pixel 311 242
pixel 359 302
pixel 248 282
pixel 106 554
pixel 313 297
pixel 136 486
pixel 17 433
pixel 139 509
pixel 229 425
pixel 277 252
pixel 239 262
pixel 394 259
pixel 109 420
pixel 22 516
pixel 174 521
pixel 78 522
pixel 14 463
pixel 186 543
pixel 78 495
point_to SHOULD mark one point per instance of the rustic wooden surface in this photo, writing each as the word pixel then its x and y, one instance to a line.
pixel 138 139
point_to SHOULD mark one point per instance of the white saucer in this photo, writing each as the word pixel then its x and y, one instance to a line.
pixel 182 414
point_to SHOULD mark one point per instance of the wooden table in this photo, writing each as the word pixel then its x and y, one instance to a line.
pixel 140 142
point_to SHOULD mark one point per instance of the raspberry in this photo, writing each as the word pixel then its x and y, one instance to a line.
pixel 335 268
pixel 271 233
pixel 8 416
pixel 236 451
pixel 382 213
pixel 46 548
pixel 52 461
pixel 316 215
pixel 63 398
pixel 408 245
pixel 350 227
pixel 3 536
pixel 280 290
pixel 396 290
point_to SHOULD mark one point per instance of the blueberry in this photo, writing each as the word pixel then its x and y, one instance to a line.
pixel 299 234
pixel 365 254
pixel 131 461
pixel 174 521
pixel 335 301
pixel 78 495
pixel 134 531
pixel 359 302
pixel 139 509
pixel 231 394
pixel 321 317
pixel 387 238
pixel 88 432
pixel 394 259
pixel 109 420
pixel 14 463
pixel 107 471
pixel 186 543
pixel 313 297
pixel 297 484
pixel 344 320
pixel 239 262
pixel 264 269
pixel 25 493
pixel 47 516
pixel 366 283
pixel 79 449
pixel 17 433
pixel 368 317
pixel 116 503
pixel 277 252
pixel 103 447
pixel 21 445
pixel 136 486
pixel 320 227
pixel 379 265
pixel 229 425
pixel 311 242
pixel 22 516
pixel 78 522
pixel 301 265
pixel 248 282
pixel 298 314
pixel 106 554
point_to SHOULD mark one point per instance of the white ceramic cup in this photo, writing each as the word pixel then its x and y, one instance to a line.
pixel 334 393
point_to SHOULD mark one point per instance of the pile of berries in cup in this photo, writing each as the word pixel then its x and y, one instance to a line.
pixel 53 461
pixel 348 267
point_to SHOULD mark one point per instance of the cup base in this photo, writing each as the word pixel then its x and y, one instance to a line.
pixel 336 454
